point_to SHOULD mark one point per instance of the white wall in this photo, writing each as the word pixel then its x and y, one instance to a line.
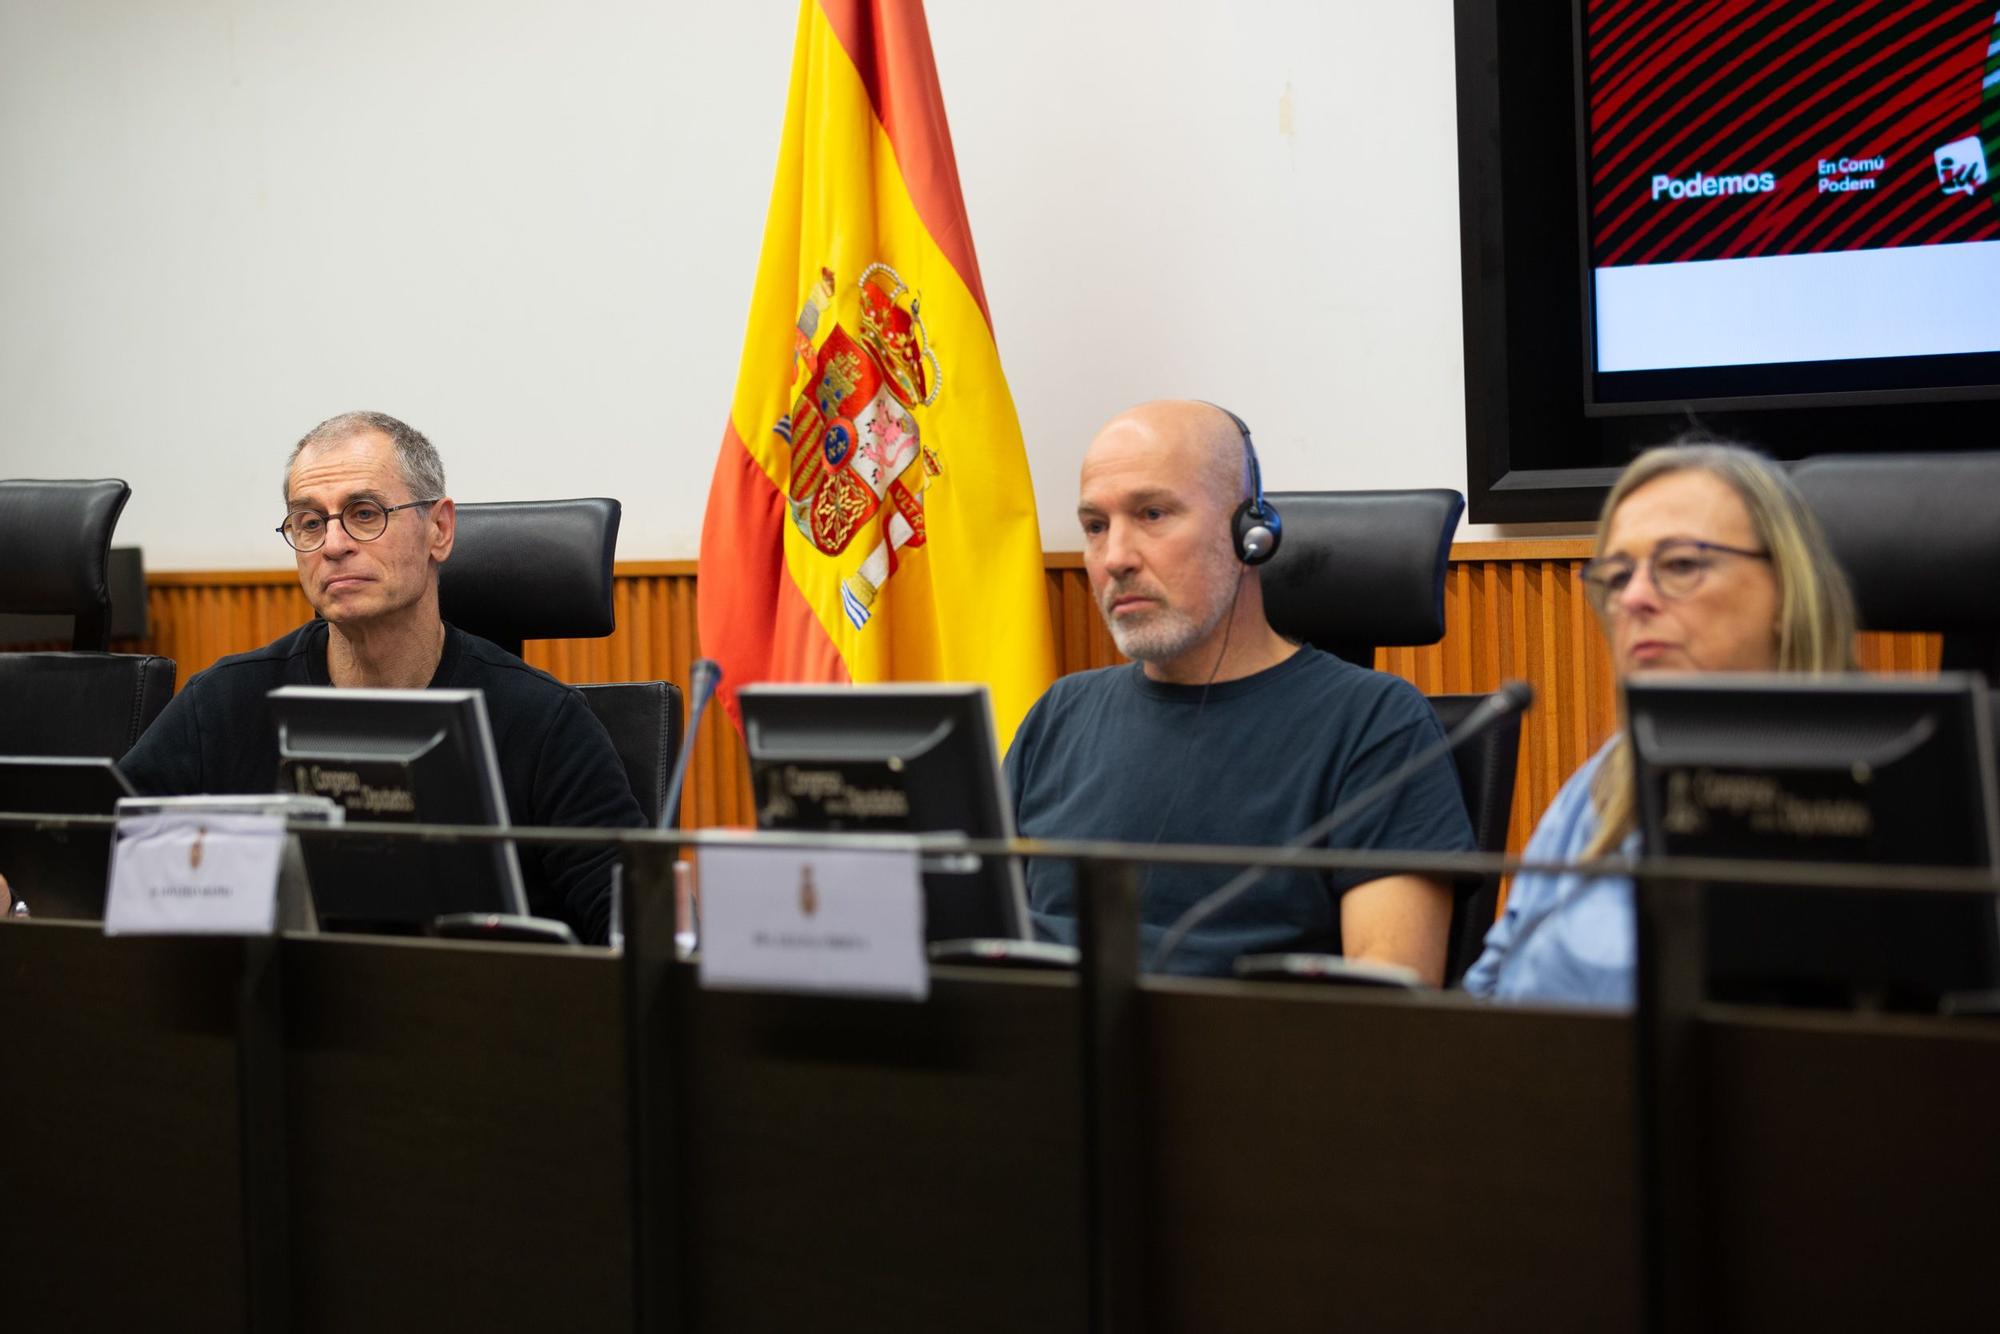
pixel 530 229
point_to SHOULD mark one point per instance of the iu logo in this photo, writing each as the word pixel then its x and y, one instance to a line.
pixel 1961 166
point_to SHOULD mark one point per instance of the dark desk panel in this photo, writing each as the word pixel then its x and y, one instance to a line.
pixel 457 1132
pixel 880 1166
pixel 456 1140
pixel 1341 1159
pixel 1853 1176
pixel 120 1199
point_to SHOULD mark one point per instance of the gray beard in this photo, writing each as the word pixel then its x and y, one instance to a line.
pixel 1165 635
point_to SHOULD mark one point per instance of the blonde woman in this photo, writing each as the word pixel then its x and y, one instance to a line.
pixel 1707 561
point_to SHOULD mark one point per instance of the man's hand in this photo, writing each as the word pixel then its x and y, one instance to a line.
pixel 1403 919
pixel 6 899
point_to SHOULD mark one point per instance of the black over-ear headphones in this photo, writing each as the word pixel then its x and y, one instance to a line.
pixel 1255 527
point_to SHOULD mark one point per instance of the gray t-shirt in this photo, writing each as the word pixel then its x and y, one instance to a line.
pixel 1110 754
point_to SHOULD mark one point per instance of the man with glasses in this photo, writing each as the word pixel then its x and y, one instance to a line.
pixel 369 522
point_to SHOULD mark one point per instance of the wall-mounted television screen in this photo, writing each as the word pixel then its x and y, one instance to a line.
pixel 1773 218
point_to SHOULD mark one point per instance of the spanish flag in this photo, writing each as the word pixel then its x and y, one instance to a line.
pixel 871 517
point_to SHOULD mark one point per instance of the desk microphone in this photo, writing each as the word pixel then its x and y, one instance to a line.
pixel 1511 697
pixel 703 678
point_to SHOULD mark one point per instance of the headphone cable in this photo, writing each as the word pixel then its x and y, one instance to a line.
pixel 1194 727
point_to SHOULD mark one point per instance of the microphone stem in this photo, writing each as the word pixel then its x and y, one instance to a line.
pixel 702 689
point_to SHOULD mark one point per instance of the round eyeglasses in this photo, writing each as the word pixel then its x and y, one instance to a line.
pixel 1675 568
pixel 364 520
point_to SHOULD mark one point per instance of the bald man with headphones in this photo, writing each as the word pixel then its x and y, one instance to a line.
pixel 1221 730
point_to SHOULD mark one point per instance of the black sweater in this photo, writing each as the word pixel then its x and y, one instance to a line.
pixel 557 765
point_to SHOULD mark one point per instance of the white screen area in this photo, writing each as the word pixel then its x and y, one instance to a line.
pixel 1907 302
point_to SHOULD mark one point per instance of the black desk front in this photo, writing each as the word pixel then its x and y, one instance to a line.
pixel 459 1155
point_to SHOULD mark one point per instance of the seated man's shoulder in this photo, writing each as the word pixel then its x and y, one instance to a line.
pixel 1086 684
pixel 503 674
pixel 1359 694
pixel 1077 691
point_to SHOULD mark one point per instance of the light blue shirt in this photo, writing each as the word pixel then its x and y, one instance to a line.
pixel 1568 938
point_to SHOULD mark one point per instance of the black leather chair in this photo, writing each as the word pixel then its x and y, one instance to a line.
pixel 541 569
pixel 532 569
pixel 86 702
pixel 82 704
pixel 1361 570
pixel 54 537
pixel 1919 537
pixel 644 719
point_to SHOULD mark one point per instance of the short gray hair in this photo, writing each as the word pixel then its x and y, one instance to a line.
pixel 416 458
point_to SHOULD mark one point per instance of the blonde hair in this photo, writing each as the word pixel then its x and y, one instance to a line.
pixel 1816 621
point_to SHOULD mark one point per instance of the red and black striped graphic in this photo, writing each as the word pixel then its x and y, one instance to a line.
pixel 1721 129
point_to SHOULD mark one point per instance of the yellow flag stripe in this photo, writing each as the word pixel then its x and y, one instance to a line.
pixel 970 602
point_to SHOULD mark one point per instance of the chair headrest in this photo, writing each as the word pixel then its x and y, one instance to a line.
pixel 1917 534
pixel 1361 569
pixel 532 569
pixel 53 539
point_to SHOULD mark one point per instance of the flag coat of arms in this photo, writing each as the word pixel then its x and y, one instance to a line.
pixel 871 516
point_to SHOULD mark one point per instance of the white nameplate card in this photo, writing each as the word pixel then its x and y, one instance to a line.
pixel 785 919
pixel 192 874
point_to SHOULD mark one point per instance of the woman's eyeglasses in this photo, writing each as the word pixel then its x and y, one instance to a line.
pixel 1676 569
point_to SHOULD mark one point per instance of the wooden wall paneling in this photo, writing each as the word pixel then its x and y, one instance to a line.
pixel 1581 634
pixel 1512 609
pixel 1059 628
pixel 657 639
pixel 1899 653
pixel 1082 642
pixel 1462 674
pixel 1552 633
pixel 1522 618
pixel 1511 645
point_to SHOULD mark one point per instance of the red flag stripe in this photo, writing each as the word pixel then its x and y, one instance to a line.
pixel 753 616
